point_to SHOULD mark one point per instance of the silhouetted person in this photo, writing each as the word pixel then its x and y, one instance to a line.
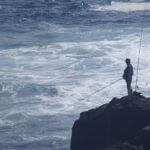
pixel 127 76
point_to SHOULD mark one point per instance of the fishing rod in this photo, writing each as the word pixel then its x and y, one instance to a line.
pixel 99 90
pixel 139 52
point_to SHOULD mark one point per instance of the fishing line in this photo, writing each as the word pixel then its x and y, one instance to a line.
pixel 99 90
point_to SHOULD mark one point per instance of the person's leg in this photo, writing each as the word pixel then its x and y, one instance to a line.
pixel 129 88
pixel 131 93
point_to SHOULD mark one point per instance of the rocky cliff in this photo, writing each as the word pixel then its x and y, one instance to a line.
pixel 122 124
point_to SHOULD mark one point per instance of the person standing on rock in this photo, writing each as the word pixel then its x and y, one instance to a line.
pixel 127 76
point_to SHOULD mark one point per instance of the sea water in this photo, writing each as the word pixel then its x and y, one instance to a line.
pixel 54 56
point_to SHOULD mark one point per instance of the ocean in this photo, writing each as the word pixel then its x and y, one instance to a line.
pixel 55 55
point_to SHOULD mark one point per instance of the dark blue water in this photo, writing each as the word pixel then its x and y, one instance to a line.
pixel 25 22
pixel 53 54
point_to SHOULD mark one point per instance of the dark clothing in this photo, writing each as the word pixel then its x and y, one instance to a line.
pixel 129 88
pixel 128 73
pixel 127 76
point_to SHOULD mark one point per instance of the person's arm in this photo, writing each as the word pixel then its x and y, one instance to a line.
pixel 124 74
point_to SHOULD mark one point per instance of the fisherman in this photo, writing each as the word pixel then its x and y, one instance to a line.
pixel 127 76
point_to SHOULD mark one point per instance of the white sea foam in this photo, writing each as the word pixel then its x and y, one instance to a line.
pixel 6 123
pixel 123 7
pixel 76 70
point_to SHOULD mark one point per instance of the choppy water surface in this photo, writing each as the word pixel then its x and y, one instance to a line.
pixel 53 54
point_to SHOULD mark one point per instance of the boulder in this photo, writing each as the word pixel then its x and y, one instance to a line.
pixel 120 120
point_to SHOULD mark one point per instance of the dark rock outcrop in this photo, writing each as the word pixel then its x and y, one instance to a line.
pixel 121 120
pixel 143 138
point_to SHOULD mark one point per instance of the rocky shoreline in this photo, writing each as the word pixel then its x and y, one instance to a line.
pixel 121 124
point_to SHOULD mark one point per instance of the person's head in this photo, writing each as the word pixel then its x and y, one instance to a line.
pixel 127 61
